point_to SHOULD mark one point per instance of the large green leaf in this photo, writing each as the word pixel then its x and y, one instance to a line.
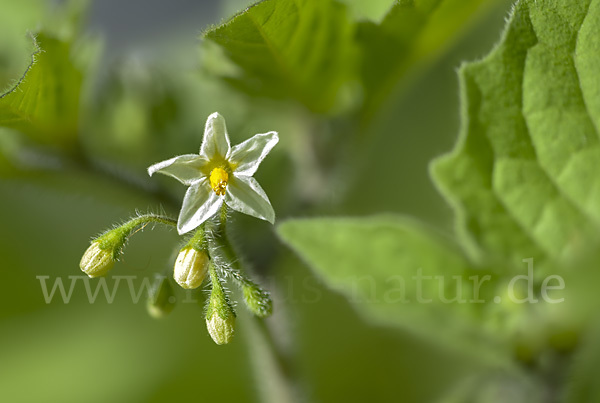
pixel 523 180
pixel 311 50
pixel 373 9
pixel 290 48
pixel 525 175
pixel 396 271
pixel 44 104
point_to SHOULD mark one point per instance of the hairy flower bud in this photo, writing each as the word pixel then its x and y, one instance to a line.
pixel 257 300
pixel 220 316
pixel 221 328
pixel 96 261
pixel 190 268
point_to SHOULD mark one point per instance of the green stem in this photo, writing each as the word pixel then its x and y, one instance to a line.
pixel 149 218
pixel 115 239
pixel 241 278
pixel 215 282
pixel 198 241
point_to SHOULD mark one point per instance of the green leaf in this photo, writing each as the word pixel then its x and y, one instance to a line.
pixel 377 263
pixel 373 9
pixel 524 178
pixel 313 52
pixel 290 48
pixel 412 32
pixel 44 104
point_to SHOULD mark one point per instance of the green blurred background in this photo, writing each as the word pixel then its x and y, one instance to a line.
pixel 148 87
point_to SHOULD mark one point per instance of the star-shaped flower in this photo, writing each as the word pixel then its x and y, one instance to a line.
pixel 220 174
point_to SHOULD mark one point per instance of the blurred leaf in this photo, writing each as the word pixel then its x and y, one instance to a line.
pixel 45 103
pixel 370 362
pixel 411 32
pixel 582 382
pixel 137 114
pixel 309 50
pixel 377 263
pixel 286 48
pixel 372 9
pixel 524 176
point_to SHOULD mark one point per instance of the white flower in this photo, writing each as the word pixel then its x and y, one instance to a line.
pixel 220 174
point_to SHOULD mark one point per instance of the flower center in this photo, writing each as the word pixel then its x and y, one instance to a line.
pixel 218 180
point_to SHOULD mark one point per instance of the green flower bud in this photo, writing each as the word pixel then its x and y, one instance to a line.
pixel 161 299
pixel 221 328
pixel 97 261
pixel 104 251
pixel 257 300
pixel 190 268
pixel 220 316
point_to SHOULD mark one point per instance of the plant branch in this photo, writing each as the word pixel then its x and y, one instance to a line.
pixel 274 366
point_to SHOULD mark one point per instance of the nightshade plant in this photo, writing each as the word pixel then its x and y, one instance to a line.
pixel 220 177
pixel 359 129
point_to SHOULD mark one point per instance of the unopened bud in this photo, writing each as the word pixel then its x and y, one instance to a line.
pixel 190 268
pixel 221 328
pixel 104 251
pixel 257 300
pixel 220 316
pixel 97 261
pixel 161 299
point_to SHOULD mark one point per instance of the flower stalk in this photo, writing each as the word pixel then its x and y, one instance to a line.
pixel 106 249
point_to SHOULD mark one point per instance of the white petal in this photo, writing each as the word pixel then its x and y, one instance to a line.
pixel 248 155
pixel 216 139
pixel 245 195
pixel 184 168
pixel 199 204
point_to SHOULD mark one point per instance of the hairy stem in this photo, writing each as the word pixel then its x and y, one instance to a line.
pixel 152 218
pixel 273 365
